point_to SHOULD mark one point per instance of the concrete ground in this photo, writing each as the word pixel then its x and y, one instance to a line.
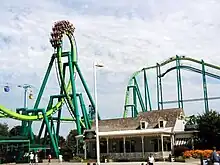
pixel 139 163
pixel 121 163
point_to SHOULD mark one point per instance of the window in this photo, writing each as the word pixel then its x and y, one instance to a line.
pixel 161 124
pixel 143 124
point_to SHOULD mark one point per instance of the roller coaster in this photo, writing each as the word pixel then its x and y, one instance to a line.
pixel 136 98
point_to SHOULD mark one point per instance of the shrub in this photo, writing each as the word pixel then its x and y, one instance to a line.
pixel 198 153
pixel 179 151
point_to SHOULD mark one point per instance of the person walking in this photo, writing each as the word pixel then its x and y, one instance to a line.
pixel 214 157
pixel 36 159
pixel 31 156
pixel 49 159
pixel 151 159
pixel 60 159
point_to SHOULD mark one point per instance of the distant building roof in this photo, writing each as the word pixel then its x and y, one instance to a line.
pixel 151 117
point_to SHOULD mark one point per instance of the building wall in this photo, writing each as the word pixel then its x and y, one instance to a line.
pixel 133 146
pixel 179 125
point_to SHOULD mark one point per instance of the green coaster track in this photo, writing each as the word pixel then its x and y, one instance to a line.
pixel 68 93
pixel 138 98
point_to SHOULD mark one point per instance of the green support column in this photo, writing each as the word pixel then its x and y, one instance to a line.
pixel 205 91
pixel 85 115
pixel 53 132
pixel 45 135
pixel 30 131
pixel 58 124
pixel 50 103
pixel 24 131
pixel 158 87
pixel 41 130
pixel 74 98
pixel 132 111
pixel 85 86
pixel 179 84
pixel 161 88
pixel 147 92
pixel 43 85
pixel 134 99
pixel 55 147
pixel 139 95
pixel 59 99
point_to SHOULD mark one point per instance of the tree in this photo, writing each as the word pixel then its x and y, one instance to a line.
pixel 209 129
pixel 62 142
pixel 192 120
pixel 71 140
pixel 15 131
pixel 4 129
pixel 72 144
pixel 46 140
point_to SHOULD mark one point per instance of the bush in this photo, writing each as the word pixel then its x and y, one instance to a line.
pixel 76 159
pixel 179 151
pixel 198 153
pixel 67 155
pixel 180 159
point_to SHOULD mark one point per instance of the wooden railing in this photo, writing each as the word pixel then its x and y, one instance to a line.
pixel 136 155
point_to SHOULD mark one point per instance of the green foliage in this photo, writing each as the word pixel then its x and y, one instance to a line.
pixel 67 154
pixel 4 129
pixel 71 143
pixel 192 120
pixel 46 140
pixel 71 140
pixel 179 150
pixel 209 129
pixel 62 142
pixel 15 131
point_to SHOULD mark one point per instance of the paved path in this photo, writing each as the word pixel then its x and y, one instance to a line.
pixel 133 163
pixel 121 163
pixel 139 163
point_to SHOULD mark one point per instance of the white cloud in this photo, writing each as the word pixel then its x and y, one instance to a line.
pixel 124 35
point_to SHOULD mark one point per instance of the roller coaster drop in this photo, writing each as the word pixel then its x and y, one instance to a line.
pixel 72 99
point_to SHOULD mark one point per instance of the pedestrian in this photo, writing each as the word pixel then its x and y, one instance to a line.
pixel 214 157
pixel 31 156
pixel 60 159
pixel 151 159
pixel 49 158
pixel 36 159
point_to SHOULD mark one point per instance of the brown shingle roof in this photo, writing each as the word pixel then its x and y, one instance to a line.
pixel 152 117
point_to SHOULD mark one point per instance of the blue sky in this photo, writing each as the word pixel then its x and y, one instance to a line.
pixel 124 35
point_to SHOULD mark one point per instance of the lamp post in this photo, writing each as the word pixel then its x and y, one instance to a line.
pixel 24 123
pixel 25 87
pixel 95 65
